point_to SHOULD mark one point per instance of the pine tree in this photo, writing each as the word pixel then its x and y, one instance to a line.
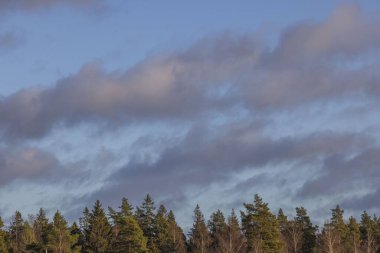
pixel 353 238
pixel 162 230
pixel 309 238
pixel 231 240
pixel 341 229
pixel 15 232
pixel 200 240
pixel 218 228
pixel 177 240
pixel 369 229
pixel 261 227
pixel 283 225
pixel 59 240
pixel 75 235
pixel 3 246
pixel 146 219
pixel 127 236
pixel 41 227
pixel 130 237
pixel 329 238
pixel 28 235
pixel 99 230
pixel 84 227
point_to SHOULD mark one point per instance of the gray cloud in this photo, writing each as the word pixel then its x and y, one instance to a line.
pixel 6 5
pixel 203 157
pixel 25 163
pixel 342 171
pixel 213 75
pixel 347 33
pixel 9 40
pixel 312 64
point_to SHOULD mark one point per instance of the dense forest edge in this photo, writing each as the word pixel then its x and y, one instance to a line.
pixel 145 228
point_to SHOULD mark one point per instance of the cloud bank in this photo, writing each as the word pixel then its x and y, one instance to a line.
pixel 231 91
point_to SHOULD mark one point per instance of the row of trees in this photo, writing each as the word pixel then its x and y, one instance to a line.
pixel 145 229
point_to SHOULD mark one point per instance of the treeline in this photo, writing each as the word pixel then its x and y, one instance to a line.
pixel 147 229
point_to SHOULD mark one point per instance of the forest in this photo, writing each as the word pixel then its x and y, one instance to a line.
pixel 146 228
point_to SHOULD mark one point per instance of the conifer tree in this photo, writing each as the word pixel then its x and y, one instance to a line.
pixel 15 232
pixel 231 240
pixel 177 240
pixel 59 240
pixel 354 236
pixel 328 239
pixel 309 238
pixel 261 227
pixel 146 219
pixel 283 222
pixel 84 227
pixel 75 235
pixel 369 229
pixel 130 237
pixel 41 229
pixel 162 230
pixel 200 240
pixel 3 246
pixel 28 235
pixel 99 230
pixel 218 229
pixel 127 236
pixel 341 229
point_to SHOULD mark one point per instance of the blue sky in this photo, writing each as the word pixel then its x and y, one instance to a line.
pixel 203 102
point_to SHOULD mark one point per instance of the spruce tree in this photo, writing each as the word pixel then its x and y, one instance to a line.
pixel 127 236
pixel 309 238
pixel 218 228
pixel 146 219
pixel 84 227
pixel 99 230
pixel 3 245
pixel 41 229
pixel 15 232
pixel 353 238
pixel 59 240
pixel 261 227
pixel 341 229
pixel 75 236
pixel 130 238
pixel 230 239
pixel 370 233
pixel 162 230
pixel 283 225
pixel 200 240
pixel 177 240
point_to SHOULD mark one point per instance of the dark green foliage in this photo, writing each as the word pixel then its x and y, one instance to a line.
pixel 261 227
pixel 341 229
pixel 59 239
pixel 41 230
pixel 177 239
pixel 200 240
pixel 75 234
pixel 218 228
pixel 127 236
pixel 146 219
pixel 162 230
pixel 370 233
pixel 16 230
pixel 309 238
pixel 147 231
pixel 3 246
pixel 98 233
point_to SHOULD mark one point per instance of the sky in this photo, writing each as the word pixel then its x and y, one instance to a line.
pixel 193 102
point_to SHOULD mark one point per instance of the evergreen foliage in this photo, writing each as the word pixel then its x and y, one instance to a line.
pixel 146 230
